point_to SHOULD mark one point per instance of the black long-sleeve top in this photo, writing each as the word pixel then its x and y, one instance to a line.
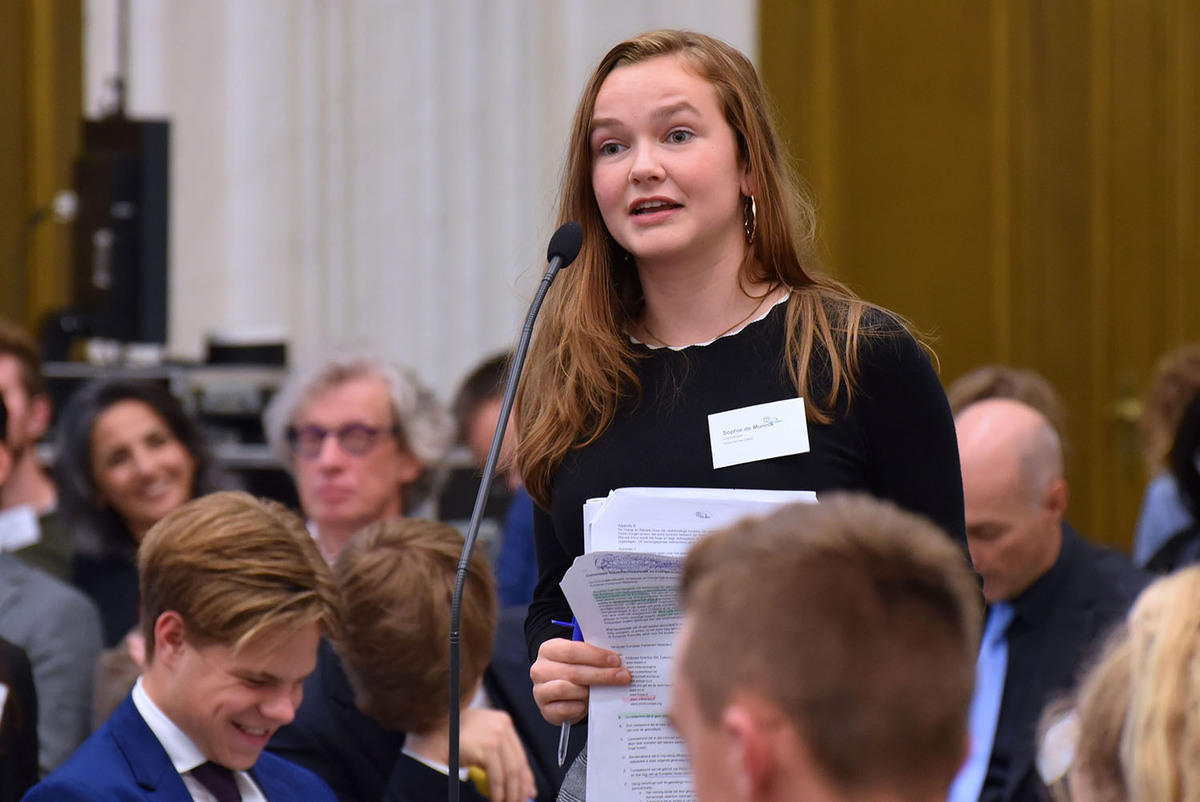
pixel 895 440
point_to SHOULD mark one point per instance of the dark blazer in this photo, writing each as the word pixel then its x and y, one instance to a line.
pixel 413 781
pixel 1061 621
pixel 508 685
pixel 123 760
pixel 18 724
pixel 331 737
pixel 355 755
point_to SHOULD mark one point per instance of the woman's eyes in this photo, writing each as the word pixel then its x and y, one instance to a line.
pixel 115 458
pixel 157 439
pixel 677 136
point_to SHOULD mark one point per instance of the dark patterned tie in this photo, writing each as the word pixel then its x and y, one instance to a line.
pixel 219 781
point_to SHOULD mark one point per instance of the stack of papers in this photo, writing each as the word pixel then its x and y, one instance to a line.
pixel 624 594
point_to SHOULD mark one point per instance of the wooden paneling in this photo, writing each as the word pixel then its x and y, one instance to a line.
pixel 56 95
pixel 1021 180
pixel 41 102
pixel 12 156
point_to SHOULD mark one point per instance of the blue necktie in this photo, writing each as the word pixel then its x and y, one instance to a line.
pixel 990 669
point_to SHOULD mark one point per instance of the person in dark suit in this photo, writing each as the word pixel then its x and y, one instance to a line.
pixel 362 438
pixel 235 600
pixel 18 724
pixel 1059 593
pixel 397 578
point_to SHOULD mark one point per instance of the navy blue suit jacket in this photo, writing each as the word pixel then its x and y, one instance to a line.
pixel 124 761
pixel 1061 621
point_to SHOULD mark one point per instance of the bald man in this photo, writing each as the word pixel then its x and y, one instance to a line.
pixel 1063 594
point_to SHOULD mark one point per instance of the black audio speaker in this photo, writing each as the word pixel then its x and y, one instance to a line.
pixel 120 275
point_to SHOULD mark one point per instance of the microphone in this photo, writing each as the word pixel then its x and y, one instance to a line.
pixel 564 247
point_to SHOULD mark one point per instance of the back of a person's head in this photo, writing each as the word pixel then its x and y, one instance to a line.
pixel 1160 747
pixel 1175 383
pixel 1019 384
pixel 233 566
pixel 1101 708
pixel 858 620
pixel 397 578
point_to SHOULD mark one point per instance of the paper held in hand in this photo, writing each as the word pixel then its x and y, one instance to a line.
pixel 623 593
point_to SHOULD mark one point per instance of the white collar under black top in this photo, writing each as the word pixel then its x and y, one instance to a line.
pixel 184 754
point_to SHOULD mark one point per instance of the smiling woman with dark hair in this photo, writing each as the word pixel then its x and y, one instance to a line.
pixel 127 455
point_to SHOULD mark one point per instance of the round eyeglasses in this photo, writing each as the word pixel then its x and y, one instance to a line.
pixel 355 439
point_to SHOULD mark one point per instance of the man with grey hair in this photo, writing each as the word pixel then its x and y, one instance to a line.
pixel 363 439
pixel 1052 595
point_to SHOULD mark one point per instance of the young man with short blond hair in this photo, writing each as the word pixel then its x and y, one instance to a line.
pixel 235 598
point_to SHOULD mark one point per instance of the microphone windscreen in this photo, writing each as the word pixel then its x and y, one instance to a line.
pixel 566 242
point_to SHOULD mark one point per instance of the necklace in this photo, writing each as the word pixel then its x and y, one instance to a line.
pixel 663 344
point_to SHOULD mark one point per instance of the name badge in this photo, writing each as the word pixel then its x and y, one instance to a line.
pixel 762 431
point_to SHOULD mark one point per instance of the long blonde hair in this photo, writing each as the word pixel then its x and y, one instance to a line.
pixel 581 361
pixel 1160 748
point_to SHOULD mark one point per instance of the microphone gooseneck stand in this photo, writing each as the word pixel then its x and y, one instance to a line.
pixel 564 247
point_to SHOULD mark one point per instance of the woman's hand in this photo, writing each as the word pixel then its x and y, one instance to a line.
pixel 563 673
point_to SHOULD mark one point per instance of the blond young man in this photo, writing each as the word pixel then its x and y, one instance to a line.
pixel 397 578
pixel 827 655
pixel 235 598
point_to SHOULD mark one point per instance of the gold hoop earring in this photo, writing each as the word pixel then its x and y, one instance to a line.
pixel 751 220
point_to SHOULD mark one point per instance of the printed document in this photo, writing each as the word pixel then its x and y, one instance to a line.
pixel 624 594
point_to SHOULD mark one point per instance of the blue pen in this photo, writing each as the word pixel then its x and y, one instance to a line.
pixel 565 736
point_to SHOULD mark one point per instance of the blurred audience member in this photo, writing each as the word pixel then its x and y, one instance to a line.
pixel 397 578
pixel 59 630
pixel 476 413
pixel 1052 595
pixel 236 599
pixel 1102 705
pixel 364 439
pixel 127 455
pixel 18 724
pixel 31 526
pixel 1019 384
pixel 1139 707
pixel 1183 547
pixel 1164 512
pixel 858 689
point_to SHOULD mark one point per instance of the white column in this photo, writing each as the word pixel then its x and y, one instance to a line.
pixel 380 172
